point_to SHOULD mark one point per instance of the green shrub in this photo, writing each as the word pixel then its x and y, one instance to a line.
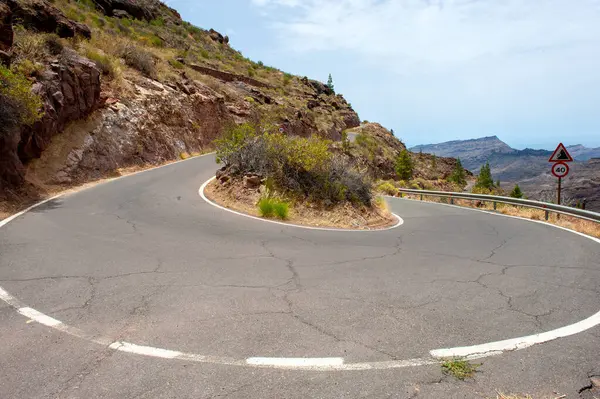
pixel 266 207
pixel 176 64
pixel 104 62
pixel 160 21
pixel 18 105
pixel 139 59
pixel 281 209
pixel 287 78
pixel 271 207
pixel 204 54
pixel 303 166
pixel 516 192
pixel 27 68
pixel 387 188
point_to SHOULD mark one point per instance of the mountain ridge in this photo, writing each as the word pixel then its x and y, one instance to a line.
pixel 528 167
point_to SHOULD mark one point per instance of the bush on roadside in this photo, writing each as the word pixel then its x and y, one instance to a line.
pixel 302 166
pixel 387 188
pixel 269 207
pixel 18 105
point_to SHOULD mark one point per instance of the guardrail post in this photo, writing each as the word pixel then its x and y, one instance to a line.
pixel 421 197
pixel 495 205
pixel 451 200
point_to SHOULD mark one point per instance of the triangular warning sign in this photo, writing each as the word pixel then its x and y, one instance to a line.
pixel 561 155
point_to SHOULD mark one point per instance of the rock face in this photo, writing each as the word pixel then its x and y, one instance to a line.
pixel 6 33
pixel 158 124
pixel 139 9
pixel 70 90
pixel 42 16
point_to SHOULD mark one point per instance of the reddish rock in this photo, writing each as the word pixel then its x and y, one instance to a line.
pixel 6 31
pixel 70 90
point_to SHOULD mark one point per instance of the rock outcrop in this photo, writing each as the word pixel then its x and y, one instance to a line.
pixel 144 10
pixel 6 33
pixel 70 90
pixel 42 16
pixel 217 37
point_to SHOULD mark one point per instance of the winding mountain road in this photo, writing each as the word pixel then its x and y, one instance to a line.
pixel 138 288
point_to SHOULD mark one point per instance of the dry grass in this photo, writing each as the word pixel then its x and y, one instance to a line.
pixel 572 223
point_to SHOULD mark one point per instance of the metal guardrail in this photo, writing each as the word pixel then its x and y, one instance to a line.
pixel 547 207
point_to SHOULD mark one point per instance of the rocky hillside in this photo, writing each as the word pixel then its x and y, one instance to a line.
pixel 529 168
pixel 375 149
pixel 125 83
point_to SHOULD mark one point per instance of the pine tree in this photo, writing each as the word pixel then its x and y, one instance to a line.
pixel 434 162
pixel 516 192
pixel 485 180
pixel 330 83
pixel 458 175
pixel 404 166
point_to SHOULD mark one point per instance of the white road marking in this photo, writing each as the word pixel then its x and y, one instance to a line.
pixel 39 317
pixel 201 193
pixel 295 362
pixel 317 364
pixel 484 350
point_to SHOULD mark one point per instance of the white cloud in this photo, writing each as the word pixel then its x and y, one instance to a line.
pixel 432 34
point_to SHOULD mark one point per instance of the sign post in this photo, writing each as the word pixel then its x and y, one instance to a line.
pixel 560 166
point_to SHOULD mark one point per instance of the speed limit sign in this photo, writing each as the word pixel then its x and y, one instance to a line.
pixel 560 169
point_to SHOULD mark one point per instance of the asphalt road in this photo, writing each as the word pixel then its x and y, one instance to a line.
pixel 146 261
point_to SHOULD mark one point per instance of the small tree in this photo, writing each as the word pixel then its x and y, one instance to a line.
pixel 458 175
pixel 330 83
pixel 485 180
pixel 434 162
pixel 516 192
pixel 404 166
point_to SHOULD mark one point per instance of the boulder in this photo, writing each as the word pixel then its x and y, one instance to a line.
pixel 217 37
pixel 148 9
pixel 42 16
pixel 320 88
pixel 252 181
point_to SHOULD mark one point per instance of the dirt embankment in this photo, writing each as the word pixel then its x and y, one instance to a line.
pixel 235 195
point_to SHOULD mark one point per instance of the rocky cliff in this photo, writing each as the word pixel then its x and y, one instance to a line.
pixel 127 83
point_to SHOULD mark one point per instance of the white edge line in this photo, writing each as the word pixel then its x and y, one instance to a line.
pixel 501 214
pixel 494 348
pixel 317 364
pixel 296 362
pixel 203 196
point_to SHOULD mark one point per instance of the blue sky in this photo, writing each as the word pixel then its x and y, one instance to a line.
pixel 527 71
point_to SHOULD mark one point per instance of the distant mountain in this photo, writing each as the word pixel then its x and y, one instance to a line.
pixel 529 168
